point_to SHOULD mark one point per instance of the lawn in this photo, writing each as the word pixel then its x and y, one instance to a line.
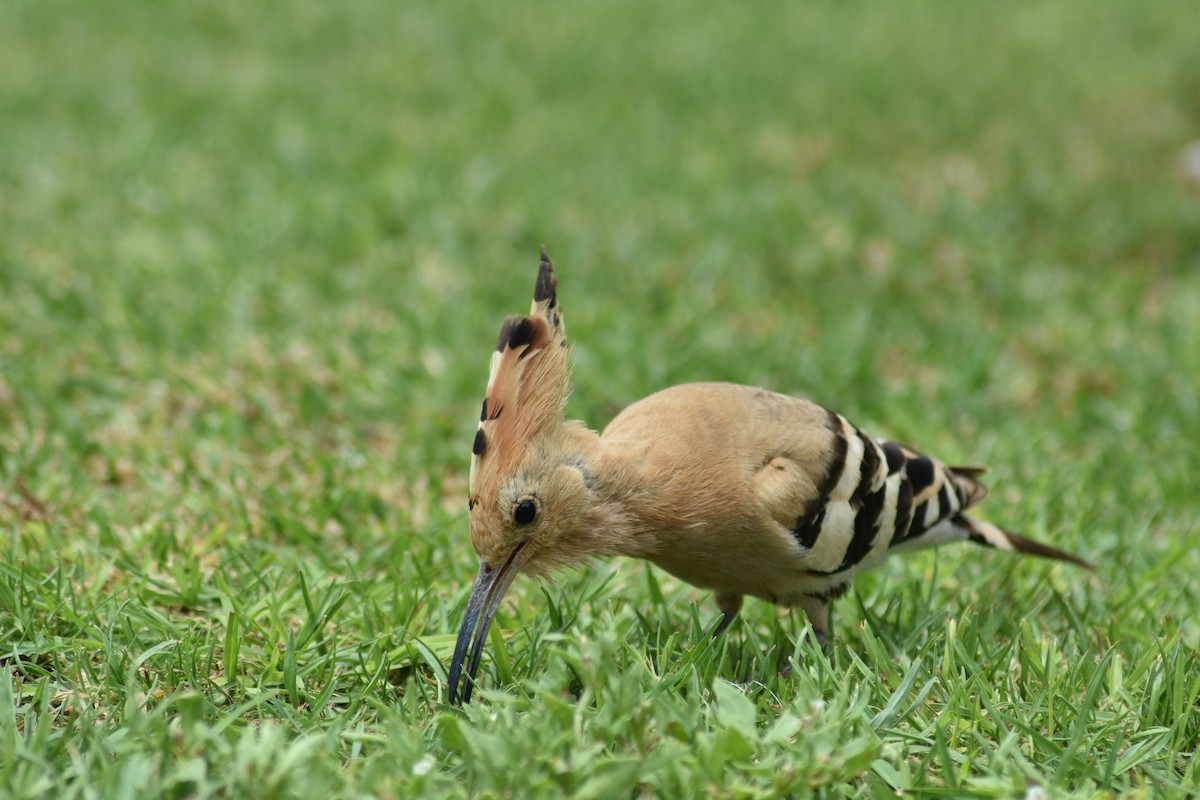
pixel 253 258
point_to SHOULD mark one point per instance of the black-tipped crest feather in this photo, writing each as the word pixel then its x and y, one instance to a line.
pixel 546 287
pixel 516 332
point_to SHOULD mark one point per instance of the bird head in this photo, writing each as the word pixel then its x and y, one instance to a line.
pixel 530 489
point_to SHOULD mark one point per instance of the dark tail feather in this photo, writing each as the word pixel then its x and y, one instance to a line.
pixel 1032 548
pixel 989 535
pixel 974 473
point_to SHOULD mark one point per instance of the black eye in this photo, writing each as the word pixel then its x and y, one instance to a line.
pixel 524 513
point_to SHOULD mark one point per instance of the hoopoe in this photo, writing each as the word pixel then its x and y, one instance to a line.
pixel 731 488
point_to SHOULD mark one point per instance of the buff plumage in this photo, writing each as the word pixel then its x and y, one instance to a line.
pixel 731 488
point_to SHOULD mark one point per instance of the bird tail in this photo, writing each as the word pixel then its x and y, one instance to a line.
pixel 989 535
pixel 966 480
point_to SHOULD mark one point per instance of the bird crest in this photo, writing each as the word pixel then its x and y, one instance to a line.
pixel 527 388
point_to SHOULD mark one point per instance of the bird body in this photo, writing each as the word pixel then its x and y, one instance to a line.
pixel 730 488
pixel 717 477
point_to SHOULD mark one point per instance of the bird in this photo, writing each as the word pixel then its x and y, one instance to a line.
pixel 735 489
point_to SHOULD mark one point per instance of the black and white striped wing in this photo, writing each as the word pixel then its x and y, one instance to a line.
pixel 878 495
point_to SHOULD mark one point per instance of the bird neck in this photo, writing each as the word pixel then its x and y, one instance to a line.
pixel 611 526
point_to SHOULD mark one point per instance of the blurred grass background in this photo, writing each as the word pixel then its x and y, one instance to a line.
pixel 253 257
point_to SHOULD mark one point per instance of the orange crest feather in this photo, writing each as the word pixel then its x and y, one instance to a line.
pixel 527 389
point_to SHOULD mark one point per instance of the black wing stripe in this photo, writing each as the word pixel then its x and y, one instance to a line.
pixel 917 526
pixel 921 473
pixel 808 526
pixel 904 509
pixel 895 457
pixel 865 524
pixel 868 466
pixel 945 508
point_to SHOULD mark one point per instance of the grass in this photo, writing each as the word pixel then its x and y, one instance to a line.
pixel 252 259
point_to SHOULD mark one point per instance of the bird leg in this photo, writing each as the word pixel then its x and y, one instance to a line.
pixel 816 608
pixel 729 604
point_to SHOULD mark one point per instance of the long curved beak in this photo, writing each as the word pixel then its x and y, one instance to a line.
pixel 489 589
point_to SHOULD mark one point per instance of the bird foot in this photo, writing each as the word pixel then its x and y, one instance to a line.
pixel 729 604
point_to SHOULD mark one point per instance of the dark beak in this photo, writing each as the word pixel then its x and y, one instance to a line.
pixel 490 586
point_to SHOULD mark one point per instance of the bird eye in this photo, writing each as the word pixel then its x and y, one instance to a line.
pixel 524 513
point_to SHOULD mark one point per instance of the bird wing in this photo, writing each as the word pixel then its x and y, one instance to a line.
pixel 873 494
